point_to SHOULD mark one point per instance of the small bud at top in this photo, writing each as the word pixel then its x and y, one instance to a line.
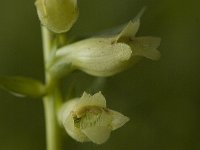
pixel 57 15
pixel 87 118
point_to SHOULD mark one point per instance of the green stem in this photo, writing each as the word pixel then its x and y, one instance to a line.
pixel 52 99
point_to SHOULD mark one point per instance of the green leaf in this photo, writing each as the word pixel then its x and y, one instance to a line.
pixel 23 87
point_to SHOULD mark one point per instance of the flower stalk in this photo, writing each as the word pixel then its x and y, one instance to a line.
pixel 52 100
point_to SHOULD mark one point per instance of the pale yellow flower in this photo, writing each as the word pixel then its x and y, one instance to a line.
pixel 107 56
pixel 88 119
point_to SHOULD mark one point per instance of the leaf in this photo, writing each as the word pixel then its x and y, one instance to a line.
pixel 21 86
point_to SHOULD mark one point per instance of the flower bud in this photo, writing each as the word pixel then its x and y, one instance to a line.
pixel 57 15
pixel 107 56
pixel 87 118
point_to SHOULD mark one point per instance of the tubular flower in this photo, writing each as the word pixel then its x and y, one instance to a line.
pixel 87 118
pixel 107 56
pixel 57 15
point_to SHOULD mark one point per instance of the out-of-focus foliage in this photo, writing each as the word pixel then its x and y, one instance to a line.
pixel 161 98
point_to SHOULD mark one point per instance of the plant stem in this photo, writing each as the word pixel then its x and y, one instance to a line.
pixel 52 99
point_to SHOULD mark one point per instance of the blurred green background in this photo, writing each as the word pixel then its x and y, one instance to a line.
pixel 161 98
